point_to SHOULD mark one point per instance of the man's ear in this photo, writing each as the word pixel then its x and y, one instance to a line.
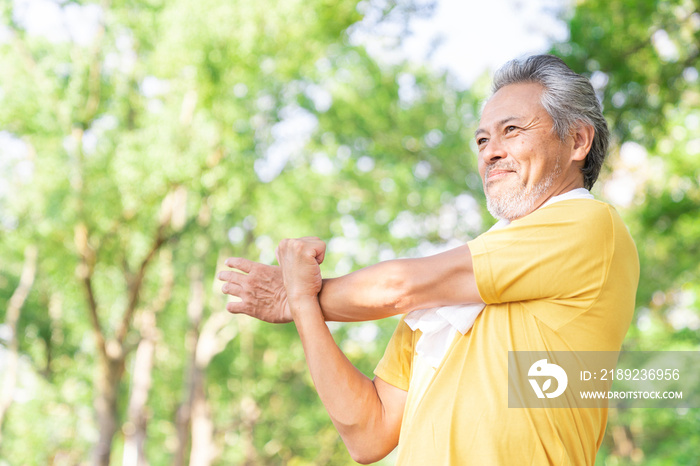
pixel 583 140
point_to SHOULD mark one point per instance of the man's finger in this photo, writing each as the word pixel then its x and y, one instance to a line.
pixel 237 307
pixel 234 289
pixel 321 252
pixel 319 247
pixel 230 276
pixel 244 265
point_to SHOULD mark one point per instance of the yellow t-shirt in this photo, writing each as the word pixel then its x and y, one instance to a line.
pixel 563 278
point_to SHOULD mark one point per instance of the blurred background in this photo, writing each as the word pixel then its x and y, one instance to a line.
pixel 144 141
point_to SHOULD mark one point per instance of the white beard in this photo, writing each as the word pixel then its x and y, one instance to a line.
pixel 519 201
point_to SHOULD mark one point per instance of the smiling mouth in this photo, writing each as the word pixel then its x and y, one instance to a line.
pixel 495 175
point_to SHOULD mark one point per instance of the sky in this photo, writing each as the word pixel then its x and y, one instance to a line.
pixel 475 36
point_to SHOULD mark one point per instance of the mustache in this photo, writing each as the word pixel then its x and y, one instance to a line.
pixel 507 166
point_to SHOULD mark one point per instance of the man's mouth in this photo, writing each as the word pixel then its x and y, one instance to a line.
pixel 497 174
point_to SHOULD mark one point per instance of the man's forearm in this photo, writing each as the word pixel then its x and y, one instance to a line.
pixel 351 399
pixel 366 413
pixel 400 286
pixel 368 294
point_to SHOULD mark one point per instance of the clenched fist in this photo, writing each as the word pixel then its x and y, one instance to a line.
pixel 300 259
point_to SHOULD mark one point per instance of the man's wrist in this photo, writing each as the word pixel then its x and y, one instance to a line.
pixel 303 305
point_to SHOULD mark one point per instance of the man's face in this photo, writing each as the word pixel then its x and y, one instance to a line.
pixel 521 158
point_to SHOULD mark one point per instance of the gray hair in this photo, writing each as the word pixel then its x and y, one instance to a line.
pixel 568 98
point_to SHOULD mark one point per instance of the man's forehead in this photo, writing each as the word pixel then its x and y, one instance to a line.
pixel 499 123
pixel 510 103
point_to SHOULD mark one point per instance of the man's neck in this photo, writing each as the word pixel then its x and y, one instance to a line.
pixel 573 192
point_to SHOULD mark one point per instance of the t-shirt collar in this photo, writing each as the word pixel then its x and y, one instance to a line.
pixel 578 193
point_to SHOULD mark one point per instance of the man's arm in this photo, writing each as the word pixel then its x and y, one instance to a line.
pixel 367 413
pixel 381 290
pixel 400 286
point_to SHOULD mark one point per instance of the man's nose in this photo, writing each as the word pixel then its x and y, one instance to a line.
pixel 493 151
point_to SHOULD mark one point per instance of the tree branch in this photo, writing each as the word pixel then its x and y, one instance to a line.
pixel 173 202
pixel 85 272
pixel 135 284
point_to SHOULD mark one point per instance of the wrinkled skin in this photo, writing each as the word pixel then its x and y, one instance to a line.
pixel 260 288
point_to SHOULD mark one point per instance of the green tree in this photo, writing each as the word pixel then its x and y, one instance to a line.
pixel 161 137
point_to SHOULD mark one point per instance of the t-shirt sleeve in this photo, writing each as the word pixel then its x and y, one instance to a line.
pixel 557 257
pixel 395 366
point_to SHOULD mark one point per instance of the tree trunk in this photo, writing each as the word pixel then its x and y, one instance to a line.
pixel 203 341
pixel 202 426
pixel 109 376
pixel 195 309
pixel 14 307
pixel 182 422
pixel 135 427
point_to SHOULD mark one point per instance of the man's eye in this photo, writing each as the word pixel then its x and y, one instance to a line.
pixel 510 128
pixel 480 141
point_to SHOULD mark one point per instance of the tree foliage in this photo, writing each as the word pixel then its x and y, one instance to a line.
pixel 143 141
pixel 176 134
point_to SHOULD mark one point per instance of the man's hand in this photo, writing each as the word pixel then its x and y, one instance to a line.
pixel 300 259
pixel 260 288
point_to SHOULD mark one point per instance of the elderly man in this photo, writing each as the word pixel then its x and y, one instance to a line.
pixel 558 272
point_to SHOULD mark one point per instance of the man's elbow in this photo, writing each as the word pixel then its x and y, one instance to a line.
pixel 397 285
pixel 365 460
pixel 362 458
pixel 368 445
pixel 366 455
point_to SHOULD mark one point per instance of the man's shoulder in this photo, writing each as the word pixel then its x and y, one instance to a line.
pixel 584 221
pixel 591 220
pixel 584 211
pixel 573 221
pixel 575 206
